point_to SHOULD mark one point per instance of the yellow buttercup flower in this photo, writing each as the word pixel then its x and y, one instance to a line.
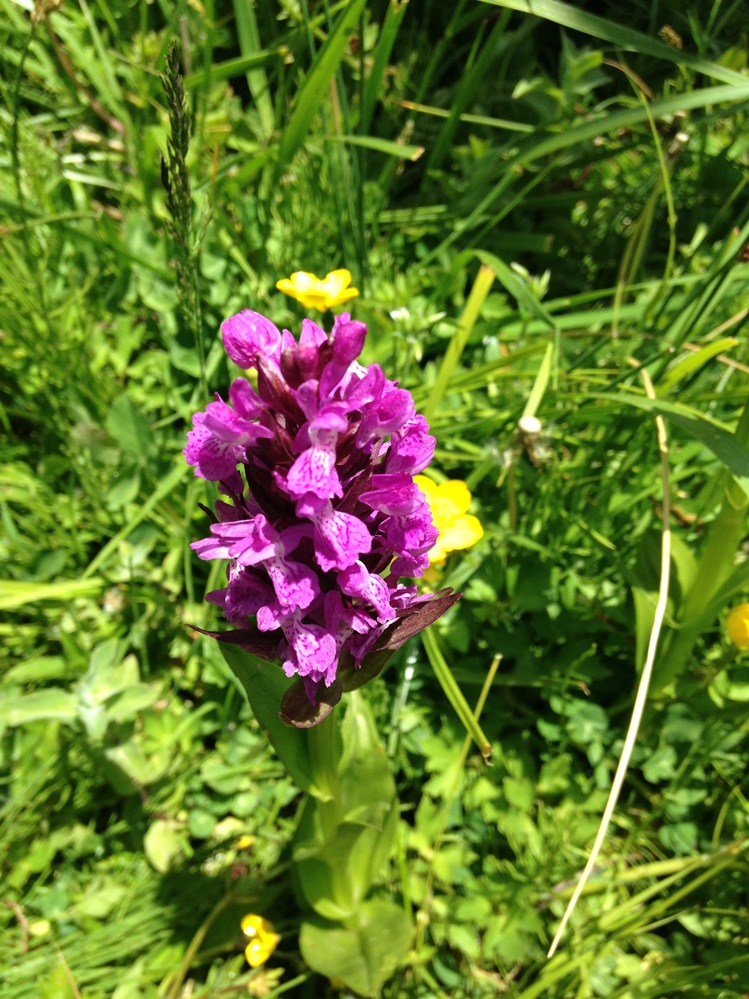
pixel 448 503
pixel 737 626
pixel 263 939
pixel 316 294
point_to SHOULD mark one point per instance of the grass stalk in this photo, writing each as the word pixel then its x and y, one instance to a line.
pixel 479 292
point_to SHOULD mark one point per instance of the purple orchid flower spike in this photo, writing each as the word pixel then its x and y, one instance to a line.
pixel 322 517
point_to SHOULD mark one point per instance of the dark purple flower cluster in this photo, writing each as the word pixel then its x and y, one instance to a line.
pixel 323 516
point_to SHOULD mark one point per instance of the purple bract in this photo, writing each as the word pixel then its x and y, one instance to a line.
pixel 321 516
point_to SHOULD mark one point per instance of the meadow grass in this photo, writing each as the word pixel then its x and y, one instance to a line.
pixel 540 205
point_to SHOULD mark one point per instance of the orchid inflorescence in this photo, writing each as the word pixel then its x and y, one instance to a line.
pixel 322 517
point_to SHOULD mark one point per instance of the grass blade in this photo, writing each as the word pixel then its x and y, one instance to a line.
pixel 315 87
pixel 471 82
pixel 624 38
pixel 397 149
pixel 479 292
pixel 540 383
pixel 393 20
pixel 693 362
pixel 453 692
pixel 233 67
pixel 249 44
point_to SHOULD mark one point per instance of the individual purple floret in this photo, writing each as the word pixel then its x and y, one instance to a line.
pixel 323 516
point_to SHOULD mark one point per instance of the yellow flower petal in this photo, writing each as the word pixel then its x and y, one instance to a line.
pixel 737 626
pixel 263 939
pixel 344 296
pixel 463 532
pixel 303 282
pixel 448 503
pixel 316 294
pixel 427 486
pixel 456 493
pixel 336 281
pixel 311 300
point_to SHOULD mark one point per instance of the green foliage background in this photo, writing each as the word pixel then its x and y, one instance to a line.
pixel 584 170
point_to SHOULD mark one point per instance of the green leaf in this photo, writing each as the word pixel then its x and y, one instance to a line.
pixel 265 686
pixel 257 80
pixel 128 768
pixel 129 428
pixel 315 87
pixel 36 669
pixel 15 593
pixel 731 685
pixel 479 292
pixel 365 952
pixel 200 823
pixel 335 875
pixel 132 701
pixel 680 838
pixel 40 705
pixel 342 844
pixel 162 844
pixel 166 485
pixel 125 489
pixel 366 786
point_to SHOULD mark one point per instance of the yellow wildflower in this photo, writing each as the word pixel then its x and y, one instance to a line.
pixel 316 294
pixel 263 939
pixel 244 842
pixel 448 503
pixel 737 626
